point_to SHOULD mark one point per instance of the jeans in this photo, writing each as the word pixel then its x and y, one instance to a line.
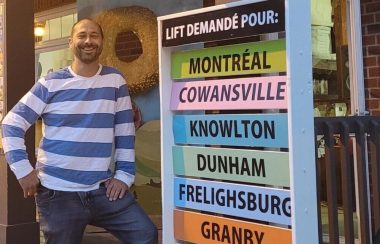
pixel 65 215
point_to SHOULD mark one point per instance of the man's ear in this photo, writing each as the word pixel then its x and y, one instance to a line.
pixel 70 40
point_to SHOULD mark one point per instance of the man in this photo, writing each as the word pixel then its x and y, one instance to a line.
pixel 86 109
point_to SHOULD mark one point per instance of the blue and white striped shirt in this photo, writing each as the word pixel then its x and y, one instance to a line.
pixel 84 119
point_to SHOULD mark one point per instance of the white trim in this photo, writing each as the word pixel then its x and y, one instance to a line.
pixel 166 124
pixel 301 123
pixel 52 45
pixel 166 140
pixel 355 52
pixel 56 12
pixel 357 94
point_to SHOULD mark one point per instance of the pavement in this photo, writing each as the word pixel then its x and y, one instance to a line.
pixel 96 235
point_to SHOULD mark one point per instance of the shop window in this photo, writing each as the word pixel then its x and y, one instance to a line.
pixel 330 52
pixel 67 22
pixel 331 83
pixel 52 29
pixel 46 31
pixel 53 61
pixel 55 28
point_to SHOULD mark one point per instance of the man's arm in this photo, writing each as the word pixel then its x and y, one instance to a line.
pixel 124 146
pixel 14 125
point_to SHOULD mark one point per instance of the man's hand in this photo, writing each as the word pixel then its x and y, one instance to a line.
pixel 29 183
pixel 115 189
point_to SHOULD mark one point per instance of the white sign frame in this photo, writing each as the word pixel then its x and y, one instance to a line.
pixel 300 121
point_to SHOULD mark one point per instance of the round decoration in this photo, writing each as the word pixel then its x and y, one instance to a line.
pixel 142 73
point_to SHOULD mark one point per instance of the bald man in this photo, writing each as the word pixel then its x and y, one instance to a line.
pixel 87 114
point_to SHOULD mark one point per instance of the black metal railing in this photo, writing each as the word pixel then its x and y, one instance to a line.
pixel 336 180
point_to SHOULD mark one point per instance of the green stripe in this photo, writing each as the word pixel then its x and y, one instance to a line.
pixel 191 161
pixel 275 52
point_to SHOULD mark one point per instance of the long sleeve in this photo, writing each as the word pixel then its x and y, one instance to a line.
pixel 16 123
pixel 124 137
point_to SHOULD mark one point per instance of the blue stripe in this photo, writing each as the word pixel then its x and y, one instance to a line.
pixel 12 131
pixel 125 142
pixel 77 176
pixel 250 130
pixel 24 111
pixel 106 93
pixel 80 120
pixel 123 91
pixel 125 116
pixel 77 149
pixel 106 70
pixel 16 155
pixel 59 74
pixel 40 91
pixel 126 166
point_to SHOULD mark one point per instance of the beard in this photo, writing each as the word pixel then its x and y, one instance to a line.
pixel 85 57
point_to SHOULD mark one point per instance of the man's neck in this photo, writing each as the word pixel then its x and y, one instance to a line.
pixel 86 70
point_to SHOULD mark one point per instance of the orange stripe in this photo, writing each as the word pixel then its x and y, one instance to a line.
pixel 202 228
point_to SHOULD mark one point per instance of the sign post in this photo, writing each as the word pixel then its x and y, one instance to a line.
pixel 301 123
pixel 231 171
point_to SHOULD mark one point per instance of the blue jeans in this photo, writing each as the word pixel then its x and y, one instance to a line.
pixel 65 215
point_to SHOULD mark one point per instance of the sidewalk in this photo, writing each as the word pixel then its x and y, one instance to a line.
pixel 96 235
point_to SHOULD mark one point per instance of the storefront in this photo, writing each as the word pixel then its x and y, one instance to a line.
pixel 345 64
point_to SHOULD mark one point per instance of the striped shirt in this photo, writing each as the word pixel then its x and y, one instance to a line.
pixel 87 122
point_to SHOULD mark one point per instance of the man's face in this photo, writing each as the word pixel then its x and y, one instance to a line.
pixel 86 42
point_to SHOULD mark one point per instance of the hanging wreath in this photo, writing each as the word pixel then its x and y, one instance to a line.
pixel 142 73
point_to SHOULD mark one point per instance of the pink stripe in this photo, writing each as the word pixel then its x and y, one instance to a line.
pixel 268 92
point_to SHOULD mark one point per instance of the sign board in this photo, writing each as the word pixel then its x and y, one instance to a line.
pixel 251 202
pixel 233 151
pixel 241 21
pixel 256 130
pixel 240 59
pixel 268 92
pixel 203 228
pixel 250 166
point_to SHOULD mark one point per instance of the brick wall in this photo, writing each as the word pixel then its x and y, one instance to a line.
pixel 128 46
pixel 371 53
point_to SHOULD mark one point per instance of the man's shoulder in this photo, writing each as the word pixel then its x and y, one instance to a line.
pixel 59 74
pixel 106 70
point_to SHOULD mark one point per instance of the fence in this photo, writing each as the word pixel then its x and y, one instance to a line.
pixel 341 135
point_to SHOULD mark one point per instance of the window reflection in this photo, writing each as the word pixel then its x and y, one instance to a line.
pixel 56 28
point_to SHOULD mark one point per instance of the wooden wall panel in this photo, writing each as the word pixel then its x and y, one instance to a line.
pixel 42 5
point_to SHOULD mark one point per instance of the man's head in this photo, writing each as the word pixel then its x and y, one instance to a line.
pixel 86 41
